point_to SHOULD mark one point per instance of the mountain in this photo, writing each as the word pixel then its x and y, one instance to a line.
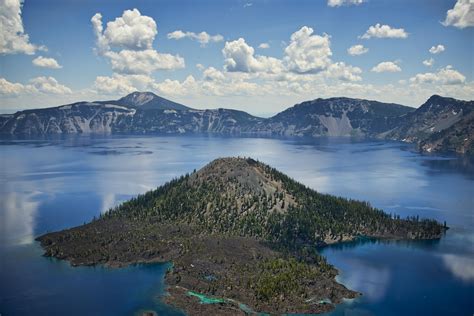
pixel 335 117
pixel 149 101
pixel 440 124
pixel 239 232
pixel 221 121
pixel 81 117
pixel 458 138
pixel 135 113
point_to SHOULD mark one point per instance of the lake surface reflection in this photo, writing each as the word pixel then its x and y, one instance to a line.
pixel 47 185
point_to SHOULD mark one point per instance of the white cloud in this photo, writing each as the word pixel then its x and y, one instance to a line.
pixel 9 88
pixel 127 42
pixel 173 87
pixel 384 31
pixel 203 38
pixel 338 3
pixel 461 16
pixel 445 76
pixel 122 84
pixel 306 58
pixel 212 74
pixel 357 50
pixel 45 62
pixel 143 61
pixel 239 56
pixel 308 53
pixel 264 45
pixel 437 49
pixel 101 41
pixel 428 62
pixel 130 31
pixel 344 72
pixel 48 85
pixel 386 66
pixel 13 39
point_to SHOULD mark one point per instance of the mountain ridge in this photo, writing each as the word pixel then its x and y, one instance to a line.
pixel 145 113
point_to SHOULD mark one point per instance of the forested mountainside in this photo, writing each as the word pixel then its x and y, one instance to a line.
pixel 238 230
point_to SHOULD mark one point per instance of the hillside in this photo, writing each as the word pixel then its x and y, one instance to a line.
pixel 236 230
pixel 432 120
pixel 335 117
pixel 458 138
pixel 76 118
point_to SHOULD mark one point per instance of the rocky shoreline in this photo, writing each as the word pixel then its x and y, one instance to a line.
pixel 218 266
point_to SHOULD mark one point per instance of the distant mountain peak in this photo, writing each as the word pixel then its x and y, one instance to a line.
pixel 437 98
pixel 138 98
pixel 148 100
pixel 437 103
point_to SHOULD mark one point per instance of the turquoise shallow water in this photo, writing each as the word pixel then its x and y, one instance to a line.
pixel 54 184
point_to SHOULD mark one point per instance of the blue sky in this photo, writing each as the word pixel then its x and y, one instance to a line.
pixel 258 56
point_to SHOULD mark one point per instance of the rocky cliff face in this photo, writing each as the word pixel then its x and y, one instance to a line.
pixel 458 138
pixel 136 113
pixel 441 124
pixel 188 121
pixel 82 117
pixel 334 117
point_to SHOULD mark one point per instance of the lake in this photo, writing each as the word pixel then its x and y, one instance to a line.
pixel 48 185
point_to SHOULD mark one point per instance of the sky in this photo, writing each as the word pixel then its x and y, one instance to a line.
pixel 256 56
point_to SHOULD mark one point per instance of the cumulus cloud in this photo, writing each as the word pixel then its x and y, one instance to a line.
pixel 356 50
pixel 338 3
pixel 307 58
pixel 143 61
pixel 308 53
pixel 175 87
pixel 48 85
pixel 130 31
pixel 344 72
pixel 13 39
pixel 437 49
pixel 203 38
pixel 122 84
pixel 386 66
pixel 461 16
pixel 445 76
pixel 10 88
pixel 45 62
pixel 239 56
pixel 384 31
pixel 428 62
pixel 127 43
pixel 264 45
pixel 212 74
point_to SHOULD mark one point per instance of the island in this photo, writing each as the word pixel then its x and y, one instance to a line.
pixel 240 236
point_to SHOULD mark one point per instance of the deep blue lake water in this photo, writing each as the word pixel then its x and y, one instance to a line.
pixel 47 185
